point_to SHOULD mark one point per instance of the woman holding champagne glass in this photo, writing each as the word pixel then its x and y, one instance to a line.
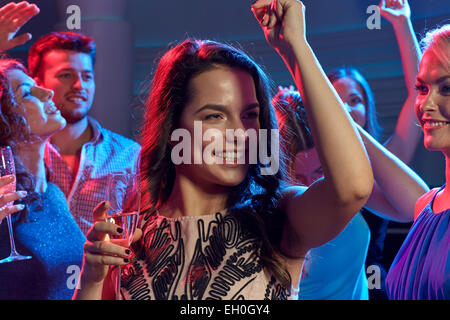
pixel 42 225
pixel 227 230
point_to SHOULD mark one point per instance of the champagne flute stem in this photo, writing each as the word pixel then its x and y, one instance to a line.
pixel 11 236
pixel 118 283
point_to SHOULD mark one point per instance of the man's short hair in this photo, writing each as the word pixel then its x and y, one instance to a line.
pixel 58 41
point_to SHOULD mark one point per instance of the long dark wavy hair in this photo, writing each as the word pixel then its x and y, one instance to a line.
pixel 255 200
pixel 13 130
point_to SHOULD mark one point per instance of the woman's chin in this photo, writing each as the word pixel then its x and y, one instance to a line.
pixel 434 145
pixel 230 176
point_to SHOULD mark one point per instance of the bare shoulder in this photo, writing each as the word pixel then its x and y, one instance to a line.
pixel 423 201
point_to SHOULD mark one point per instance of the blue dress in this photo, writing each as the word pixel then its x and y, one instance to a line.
pixel 55 242
pixel 336 270
pixel 421 269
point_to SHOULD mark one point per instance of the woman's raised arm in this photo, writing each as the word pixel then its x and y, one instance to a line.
pixel 407 134
pixel 318 214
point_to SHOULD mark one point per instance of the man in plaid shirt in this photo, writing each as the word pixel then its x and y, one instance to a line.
pixel 79 157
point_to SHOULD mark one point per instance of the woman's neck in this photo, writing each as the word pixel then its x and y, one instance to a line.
pixel 442 200
pixel 446 190
pixel 188 199
pixel 32 157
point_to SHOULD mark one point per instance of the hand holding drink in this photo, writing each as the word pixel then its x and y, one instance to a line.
pixel 8 196
pixel 108 240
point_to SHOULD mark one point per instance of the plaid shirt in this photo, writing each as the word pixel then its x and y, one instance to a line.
pixel 106 152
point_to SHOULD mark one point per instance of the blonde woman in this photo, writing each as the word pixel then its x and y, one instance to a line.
pixel 422 266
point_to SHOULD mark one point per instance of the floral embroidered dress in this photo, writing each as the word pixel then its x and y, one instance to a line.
pixel 198 258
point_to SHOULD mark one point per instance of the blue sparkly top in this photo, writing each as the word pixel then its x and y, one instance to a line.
pixel 55 242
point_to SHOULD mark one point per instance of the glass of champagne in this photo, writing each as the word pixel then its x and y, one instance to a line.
pixel 124 196
pixel 7 167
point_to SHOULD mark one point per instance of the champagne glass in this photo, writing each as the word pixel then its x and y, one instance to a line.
pixel 124 196
pixel 7 167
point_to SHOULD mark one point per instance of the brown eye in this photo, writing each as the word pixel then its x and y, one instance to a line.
pixel 445 90
pixel 356 101
pixel 87 77
pixel 251 115
pixel 214 116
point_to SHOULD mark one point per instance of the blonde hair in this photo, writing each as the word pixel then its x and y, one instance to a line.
pixel 438 40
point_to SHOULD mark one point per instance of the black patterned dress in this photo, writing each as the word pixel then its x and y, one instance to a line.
pixel 197 258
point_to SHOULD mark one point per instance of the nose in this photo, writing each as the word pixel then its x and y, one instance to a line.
pixel 428 103
pixel 43 94
pixel 237 134
pixel 78 83
pixel 237 127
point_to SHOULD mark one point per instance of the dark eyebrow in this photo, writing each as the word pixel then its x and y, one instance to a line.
pixel 251 106
pixel 215 107
pixel 441 79
pixel 71 70
pixel 222 108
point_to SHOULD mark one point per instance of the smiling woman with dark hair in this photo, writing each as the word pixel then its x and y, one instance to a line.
pixel 225 230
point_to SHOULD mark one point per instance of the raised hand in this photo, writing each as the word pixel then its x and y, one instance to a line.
pixel 394 10
pixel 283 21
pixel 7 197
pixel 12 17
